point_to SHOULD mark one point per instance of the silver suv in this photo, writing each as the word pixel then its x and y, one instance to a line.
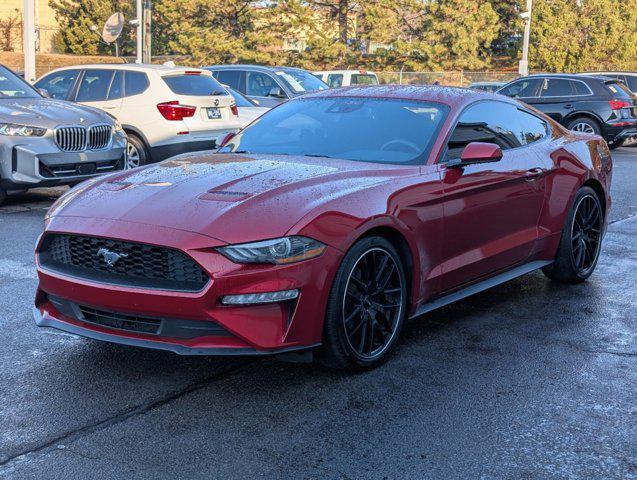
pixel 46 142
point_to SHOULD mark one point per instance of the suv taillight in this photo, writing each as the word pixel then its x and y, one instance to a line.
pixel 234 109
pixel 174 111
pixel 618 104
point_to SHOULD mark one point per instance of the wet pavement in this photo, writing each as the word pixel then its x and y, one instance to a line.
pixel 527 380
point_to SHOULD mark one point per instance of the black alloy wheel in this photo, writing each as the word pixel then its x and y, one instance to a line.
pixel 586 233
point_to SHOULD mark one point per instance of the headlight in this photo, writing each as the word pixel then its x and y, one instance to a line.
pixel 16 130
pixel 117 128
pixel 278 251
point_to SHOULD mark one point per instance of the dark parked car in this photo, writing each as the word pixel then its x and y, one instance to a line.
pixel 269 86
pixel 629 78
pixel 584 103
pixel 325 225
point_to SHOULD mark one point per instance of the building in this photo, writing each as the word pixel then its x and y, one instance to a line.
pixel 11 25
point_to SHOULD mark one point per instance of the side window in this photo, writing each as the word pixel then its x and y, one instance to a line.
pixel 59 84
pixel 631 83
pixel 259 84
pixel 94 85
pixel 557 87
pixel 525 88
pixel 532 128
pixel 135 83
pixel 580 88
pixel 335 80
pixel 230 78
pixel 490 122
pixel 117 86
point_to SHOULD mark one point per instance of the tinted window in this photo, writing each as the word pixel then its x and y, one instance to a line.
pixel 94 85
pixel 58 84
pixel 117 86
pixel 363 79
pixel 619 90
pixel 135 83
pixel 300 81
pixel 363 129
pixel 522 88
pixel 494 122
pixel 259 84
pixel 240 100
pixel 556 87
pixel 195 85
pixel 581 88
pixel 533 128
pixel 335 80
pixel 631 82
pixel 229 77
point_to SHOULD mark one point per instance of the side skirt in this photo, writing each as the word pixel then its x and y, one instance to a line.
pixel 481 286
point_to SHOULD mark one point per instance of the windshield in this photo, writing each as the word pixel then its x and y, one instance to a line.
pixel 13 86
pixel 362 129
pixel 300 81
pixel 363 79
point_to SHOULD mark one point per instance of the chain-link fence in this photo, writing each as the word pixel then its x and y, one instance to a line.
pixel 457 78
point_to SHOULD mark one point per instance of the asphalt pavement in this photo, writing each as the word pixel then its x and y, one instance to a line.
pixel 529 380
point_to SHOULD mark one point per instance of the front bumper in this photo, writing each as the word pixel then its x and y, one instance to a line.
pixel 249 329
pixel 39 162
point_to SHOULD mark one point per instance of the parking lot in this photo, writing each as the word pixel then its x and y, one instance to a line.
pixel 527 380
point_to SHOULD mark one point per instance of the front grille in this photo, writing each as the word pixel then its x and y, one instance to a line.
pixel 165 327
pixel 71 139
pixel 84 168
pixel 121 263
pixel 99 136
pixel 78 138
pixel 120 321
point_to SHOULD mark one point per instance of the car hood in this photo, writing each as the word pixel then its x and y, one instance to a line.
pixel 232 198
pixel 48 113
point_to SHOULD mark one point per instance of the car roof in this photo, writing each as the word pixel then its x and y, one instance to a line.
pixel 609 72
pixel 133 67
pixel 452 96
pixel 359 70
pixel 263 68
pixel 568 76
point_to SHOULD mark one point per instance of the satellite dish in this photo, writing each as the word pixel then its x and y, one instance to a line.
pixel 113 27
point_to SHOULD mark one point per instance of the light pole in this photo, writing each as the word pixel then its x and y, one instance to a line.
pixel 28 45
pixel 523 68
pixel 138 26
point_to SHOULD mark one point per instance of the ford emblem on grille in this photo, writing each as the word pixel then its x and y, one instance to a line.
pixel 110 258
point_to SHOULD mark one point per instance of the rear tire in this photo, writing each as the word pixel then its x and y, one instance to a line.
pixel 137 153
pixel 581 240
pixel 584 125
pixel 616 143
pixel 366 307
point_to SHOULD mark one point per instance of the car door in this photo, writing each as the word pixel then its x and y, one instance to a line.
pixel 260 86
pixel 491 210
pixel 559 97
pixel 94 89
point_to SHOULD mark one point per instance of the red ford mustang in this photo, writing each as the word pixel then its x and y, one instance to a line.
pixel 324 225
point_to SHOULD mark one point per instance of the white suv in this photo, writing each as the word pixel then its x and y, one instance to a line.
pixel 346 78
pixel 164 110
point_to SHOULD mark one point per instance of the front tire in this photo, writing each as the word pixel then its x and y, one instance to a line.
pixel 366 307
pixel 581 240
pixel 136 152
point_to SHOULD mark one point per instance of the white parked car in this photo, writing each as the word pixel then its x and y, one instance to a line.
pixel 164 110
pixel 345 78
pixel 249 110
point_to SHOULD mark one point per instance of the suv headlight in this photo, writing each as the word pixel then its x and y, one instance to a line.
pixel 278 251
pixel 15 130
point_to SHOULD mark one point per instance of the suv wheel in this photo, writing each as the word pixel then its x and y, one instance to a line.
pixel 613 144
pixel 366 307
pixel 3 196
pixel 584 125
pixel 137 155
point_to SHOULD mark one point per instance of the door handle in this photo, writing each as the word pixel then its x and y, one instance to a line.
pixel 569 106
pixel 533 173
